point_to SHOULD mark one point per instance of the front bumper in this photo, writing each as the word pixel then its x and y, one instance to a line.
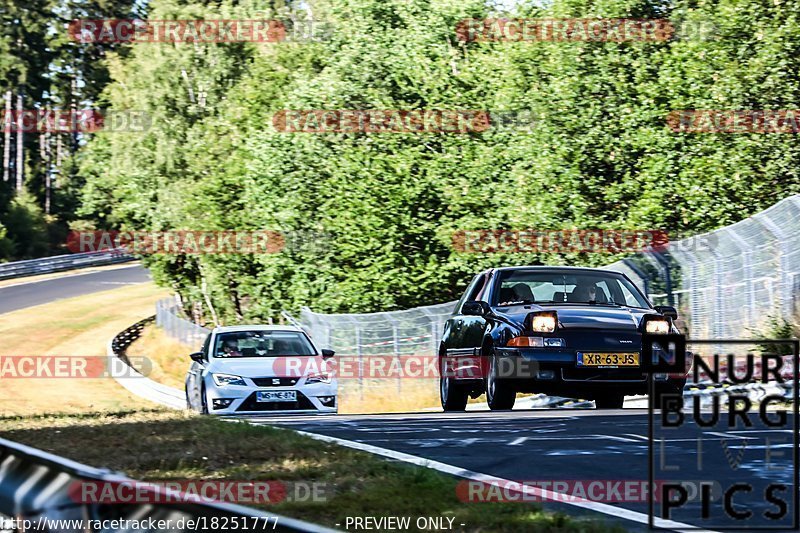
pixel 555 371
pixel 238 400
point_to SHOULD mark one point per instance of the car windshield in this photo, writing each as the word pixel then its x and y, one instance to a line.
pixel 262 344
pixel 558 287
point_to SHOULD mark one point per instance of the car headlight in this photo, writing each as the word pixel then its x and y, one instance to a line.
pixel 536 342
pixel 318 378
pixel 223 380
pixel 658 326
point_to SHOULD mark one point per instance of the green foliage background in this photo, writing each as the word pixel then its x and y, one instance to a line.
pixel 599 156
pixel 48 70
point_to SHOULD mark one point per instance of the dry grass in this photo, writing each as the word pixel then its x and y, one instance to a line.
pixel 168 358
pixel 388 395
pixel 80 326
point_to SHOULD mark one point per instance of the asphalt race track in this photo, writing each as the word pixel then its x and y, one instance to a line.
pixel 546 445
pixel 27 294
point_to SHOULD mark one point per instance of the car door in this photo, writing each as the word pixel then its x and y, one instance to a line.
pixel 465 332
pixel 194 377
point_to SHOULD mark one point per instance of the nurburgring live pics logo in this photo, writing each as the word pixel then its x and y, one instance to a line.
pixel 769 373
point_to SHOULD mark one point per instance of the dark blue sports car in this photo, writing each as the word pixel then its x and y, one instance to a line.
pixel 573 332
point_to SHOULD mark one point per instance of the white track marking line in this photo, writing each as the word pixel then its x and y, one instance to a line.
pixel 615 437
pixel 729 435
pixel 604 508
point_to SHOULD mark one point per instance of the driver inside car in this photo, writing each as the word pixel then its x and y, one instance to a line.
pixel 230 348
pixel 583 292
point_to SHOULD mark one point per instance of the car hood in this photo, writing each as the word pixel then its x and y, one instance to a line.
pixel 582 316
pixel 255 367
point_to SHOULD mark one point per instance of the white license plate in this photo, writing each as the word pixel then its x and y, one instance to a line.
pixel 277 396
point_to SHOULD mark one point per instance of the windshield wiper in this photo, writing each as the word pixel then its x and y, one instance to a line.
pixel 593 302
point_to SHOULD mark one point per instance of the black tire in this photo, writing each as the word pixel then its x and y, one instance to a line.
pixel 499 394
pixel 453 396
pixel 203 404
pixel 609 401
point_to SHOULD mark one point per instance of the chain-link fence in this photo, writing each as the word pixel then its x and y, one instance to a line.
pixel 169 317
pixel 737 281
pixel 408 332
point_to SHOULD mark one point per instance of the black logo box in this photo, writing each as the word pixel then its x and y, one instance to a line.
pixel 677 343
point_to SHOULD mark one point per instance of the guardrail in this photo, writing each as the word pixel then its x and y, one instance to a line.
pixel 58 263
pixel 134 381
pixel 40 487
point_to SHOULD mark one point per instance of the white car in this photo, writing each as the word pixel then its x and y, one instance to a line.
pixel 260 369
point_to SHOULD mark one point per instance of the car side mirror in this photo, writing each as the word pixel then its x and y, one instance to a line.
pixel 327 354
pixel 475 308
pixel 198 357
pixel 668 311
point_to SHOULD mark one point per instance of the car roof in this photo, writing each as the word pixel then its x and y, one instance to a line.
pixel 255 327
pixel 545 268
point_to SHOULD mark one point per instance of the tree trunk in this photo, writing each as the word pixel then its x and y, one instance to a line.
pixel 7 122
pixel 19 162
pixel 48 177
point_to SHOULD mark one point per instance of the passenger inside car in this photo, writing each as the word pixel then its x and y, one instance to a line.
pixel 587 292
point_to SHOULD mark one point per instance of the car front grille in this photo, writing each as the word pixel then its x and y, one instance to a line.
pixel 275 382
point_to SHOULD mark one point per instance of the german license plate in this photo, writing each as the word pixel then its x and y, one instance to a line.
pixel 277 396
pixel 608 360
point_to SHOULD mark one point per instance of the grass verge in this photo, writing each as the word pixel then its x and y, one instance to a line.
pixel 168 445
pixel 169 359
pixel 80 326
